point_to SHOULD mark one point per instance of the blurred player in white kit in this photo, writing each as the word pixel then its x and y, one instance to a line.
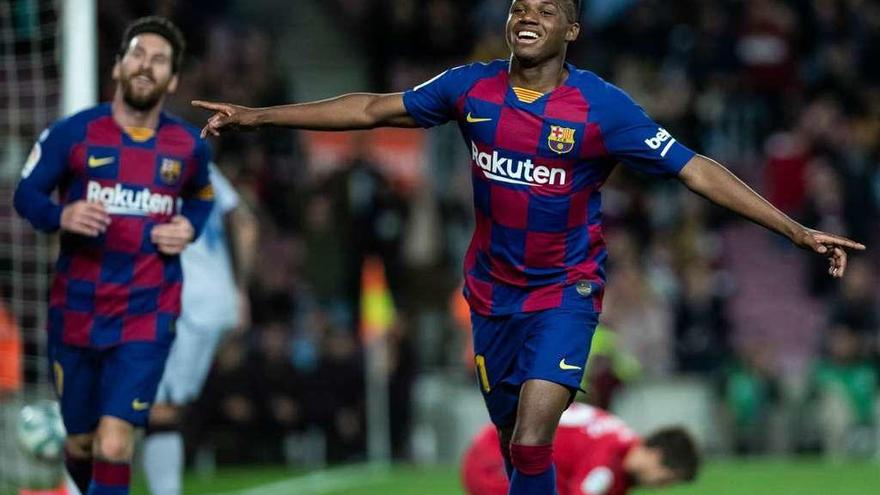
pixel 216 269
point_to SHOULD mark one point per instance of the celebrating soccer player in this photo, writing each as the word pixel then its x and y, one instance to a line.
pixel 595 454
pixel 120 169
pixel 543 137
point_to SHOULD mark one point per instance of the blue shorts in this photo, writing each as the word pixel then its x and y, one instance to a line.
pixel 550 345
pixel 120 381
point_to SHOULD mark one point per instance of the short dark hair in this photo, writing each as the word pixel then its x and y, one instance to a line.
pixel 156 25
pixel 574 10
pixel 678 451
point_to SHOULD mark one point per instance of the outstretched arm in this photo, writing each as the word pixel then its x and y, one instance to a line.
pixel 713 181
pixel 349 112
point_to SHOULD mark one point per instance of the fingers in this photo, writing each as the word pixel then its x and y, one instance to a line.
pixel 209 130
pixel 215 122
pixel 841 256
pixel 837 263
pixel 173 237
pixel 89 219
pixel 171 249
pixel 83 228
pixel 169 235
pixel 170 244
pixel 836 240
pixel 95 213
pixel 89 227
pixel 210 105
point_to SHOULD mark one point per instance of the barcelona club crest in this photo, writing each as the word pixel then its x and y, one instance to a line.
pixel 561 139
pixel 170 170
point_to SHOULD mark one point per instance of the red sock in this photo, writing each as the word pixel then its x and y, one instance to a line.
pixel 531 460
pixel 110 478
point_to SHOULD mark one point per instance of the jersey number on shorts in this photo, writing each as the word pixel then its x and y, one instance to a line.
pixel 480 361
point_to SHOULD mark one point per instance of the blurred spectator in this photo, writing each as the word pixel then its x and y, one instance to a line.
pixel 701 327
pixel 337 395
pixel 608 369
pixel 856 306
pixel 641 319
pixel 229 411
pixel 750 393
pixel 279 385
pixel 354 212
pixel 844 389
pixel 402 372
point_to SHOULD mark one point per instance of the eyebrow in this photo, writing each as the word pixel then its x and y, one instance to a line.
pixel 554 3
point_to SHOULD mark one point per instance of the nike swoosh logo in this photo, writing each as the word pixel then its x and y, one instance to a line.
pixel 564 366
pixel 137 405
pixel 100 162
pixel 474 120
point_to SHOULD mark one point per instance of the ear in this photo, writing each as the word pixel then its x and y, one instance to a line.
pixel 573 32
pixel 172 84
pixel 117 69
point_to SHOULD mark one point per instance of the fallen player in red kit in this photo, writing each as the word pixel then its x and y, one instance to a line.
pixel 595 454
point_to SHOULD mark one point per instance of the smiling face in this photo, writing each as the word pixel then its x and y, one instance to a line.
pixel 145 72
pixel 540 30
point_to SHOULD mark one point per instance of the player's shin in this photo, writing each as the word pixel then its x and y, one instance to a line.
pixel 112 448
pixel 163 451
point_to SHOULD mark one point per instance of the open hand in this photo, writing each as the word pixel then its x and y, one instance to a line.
pixel 226 117
pixel 829 245
pixel 84 218
pixel 171 238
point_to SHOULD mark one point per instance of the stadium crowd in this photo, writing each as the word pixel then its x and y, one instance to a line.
pixel 785 93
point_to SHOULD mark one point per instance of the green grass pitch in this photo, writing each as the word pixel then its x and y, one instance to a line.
pixel 752 477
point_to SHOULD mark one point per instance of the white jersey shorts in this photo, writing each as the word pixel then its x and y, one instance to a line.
pixel 188 364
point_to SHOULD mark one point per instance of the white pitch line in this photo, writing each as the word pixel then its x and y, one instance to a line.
pixel 321 482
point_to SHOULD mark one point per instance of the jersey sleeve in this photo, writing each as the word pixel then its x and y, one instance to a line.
pixel 637 141
pixel 225 197
pixel 45 168
pixel 198 198
pixel 433 102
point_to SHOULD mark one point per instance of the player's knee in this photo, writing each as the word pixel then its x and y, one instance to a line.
pixel 529 434
pixel 164 417
pixel 113 447
pixel 531 460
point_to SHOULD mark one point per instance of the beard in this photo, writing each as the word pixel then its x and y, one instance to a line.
pixel 139 99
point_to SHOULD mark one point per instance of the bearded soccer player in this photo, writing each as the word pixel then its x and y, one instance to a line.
pixel 543 137
pixel 595 453
pixel 120 169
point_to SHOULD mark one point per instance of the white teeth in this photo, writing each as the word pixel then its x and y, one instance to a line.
pixel 528 34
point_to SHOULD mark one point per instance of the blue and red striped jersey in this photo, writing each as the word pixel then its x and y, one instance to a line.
pixel 116 287
pixel 538 162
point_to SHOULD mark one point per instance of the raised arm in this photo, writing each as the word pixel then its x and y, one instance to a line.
pixel 349 112
pixel 713 181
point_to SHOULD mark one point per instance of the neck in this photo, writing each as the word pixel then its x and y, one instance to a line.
pixel 126 116
pixel 542 77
